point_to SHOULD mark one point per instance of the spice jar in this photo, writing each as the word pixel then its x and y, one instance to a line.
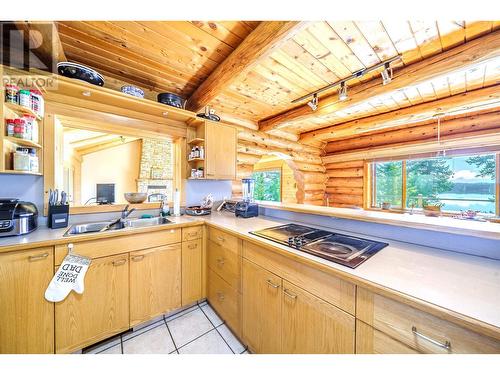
pixel 33 161
pixel 28 121
pixel 11 94
pixel 9 125
pixel 19 128
pixel 21 159
pixel 37 102
pixel 24 98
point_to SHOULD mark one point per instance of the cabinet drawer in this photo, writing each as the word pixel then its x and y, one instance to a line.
pixel 192 233
pixel 420 330
pixel 372 341
pixel 122 244
pixel 225 300
pixel 223 239
pixel 225 263
pixel 332 289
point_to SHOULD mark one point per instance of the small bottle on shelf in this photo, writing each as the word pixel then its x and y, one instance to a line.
pixel 202 152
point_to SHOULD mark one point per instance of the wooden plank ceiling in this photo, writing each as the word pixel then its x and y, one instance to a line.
pixel 179 56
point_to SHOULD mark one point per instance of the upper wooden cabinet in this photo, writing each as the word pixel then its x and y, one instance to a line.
pixel 27 318
pixel 101 311
pixel 219 143
pixel 155 282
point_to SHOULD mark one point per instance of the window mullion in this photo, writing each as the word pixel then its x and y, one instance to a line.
pixel 403 187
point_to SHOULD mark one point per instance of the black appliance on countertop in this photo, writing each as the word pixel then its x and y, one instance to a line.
pixel 347 250
pixel 17 217
pixel 246 209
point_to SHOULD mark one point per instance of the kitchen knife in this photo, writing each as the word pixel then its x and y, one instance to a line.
pixel 56 197
pixel 64 197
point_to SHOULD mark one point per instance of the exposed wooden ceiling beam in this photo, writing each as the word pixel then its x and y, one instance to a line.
pixel 459 58
pixel 466 102
pixel 261 42
pixel 37 33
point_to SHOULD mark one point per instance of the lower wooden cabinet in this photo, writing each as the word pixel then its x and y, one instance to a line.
pixel 155 282
pixel 192 256
pixel 313 326
pixel 261 309
pixel 26 318
pixel 101 311
pixel 372 341
pixel 225 300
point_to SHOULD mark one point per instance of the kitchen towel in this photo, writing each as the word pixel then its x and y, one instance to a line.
pixel 69 276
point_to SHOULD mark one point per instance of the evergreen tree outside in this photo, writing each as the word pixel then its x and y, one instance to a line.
pixel 267 186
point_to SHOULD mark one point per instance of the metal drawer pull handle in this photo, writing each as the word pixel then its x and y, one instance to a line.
pixel 220 262
pixel 287 293
pixel 137 258
pixel 119 262
pixel 446 345
pixel 222 239
pixel 221 296
pixel 270 283
pixel 38 257
pixel 192 246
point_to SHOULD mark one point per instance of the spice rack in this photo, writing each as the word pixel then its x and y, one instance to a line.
pixel 9 143
pixel 195 138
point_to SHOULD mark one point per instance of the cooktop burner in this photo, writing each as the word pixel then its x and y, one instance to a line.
pixel 347 250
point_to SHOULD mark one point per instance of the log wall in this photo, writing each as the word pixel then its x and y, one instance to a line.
pixel 303 160
pixel 346 179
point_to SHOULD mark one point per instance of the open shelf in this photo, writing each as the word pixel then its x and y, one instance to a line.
pixel 196 141
pixel 22 142
pixel 21 109
pixel 196 159
pixel 12 171
pixel 196 178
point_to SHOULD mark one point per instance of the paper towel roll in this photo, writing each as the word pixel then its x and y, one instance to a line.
pixel 177 203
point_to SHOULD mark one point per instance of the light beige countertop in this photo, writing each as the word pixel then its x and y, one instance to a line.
pixel 440 224
pixel 466 284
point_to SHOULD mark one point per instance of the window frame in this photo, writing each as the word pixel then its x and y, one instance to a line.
pixel 272 169
pixel 370 202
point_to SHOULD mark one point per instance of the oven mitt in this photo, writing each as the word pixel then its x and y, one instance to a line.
pixel 69 276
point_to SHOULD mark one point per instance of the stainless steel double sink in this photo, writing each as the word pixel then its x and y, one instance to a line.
pixel 128 223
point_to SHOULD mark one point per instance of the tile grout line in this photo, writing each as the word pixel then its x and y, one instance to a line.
pixel 171 336
pixel 196 338
pixel 144 330
pixel 222 337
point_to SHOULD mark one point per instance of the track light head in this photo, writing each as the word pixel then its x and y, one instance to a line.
pixel 386 74
pixel 313 103
pixel 343 92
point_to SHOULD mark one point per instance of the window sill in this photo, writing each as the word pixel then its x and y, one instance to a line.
pixel 439 224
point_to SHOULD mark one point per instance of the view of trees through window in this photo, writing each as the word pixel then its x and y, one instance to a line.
pixel 457 183
pixel 267 185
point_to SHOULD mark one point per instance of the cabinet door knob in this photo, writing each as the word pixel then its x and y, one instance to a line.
pixel 192 246
pixel 221 296
pixel 137 258
pixel 221 239
pixel 270 283
pixel 119 262
pixel 38 257
pixel 220 262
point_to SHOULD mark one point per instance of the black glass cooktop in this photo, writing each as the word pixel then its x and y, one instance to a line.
pixel 339 248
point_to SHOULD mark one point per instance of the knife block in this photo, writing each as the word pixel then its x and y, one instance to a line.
pixel 58 216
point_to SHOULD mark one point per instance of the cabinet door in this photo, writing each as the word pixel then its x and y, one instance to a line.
pixel 220 159
pixel 311 325
pixel 101 311
pixel 155 282
pixel 27 318
pixel 191 271
pixel 262 316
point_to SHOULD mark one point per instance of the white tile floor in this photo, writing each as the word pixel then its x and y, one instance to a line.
pixel 196 330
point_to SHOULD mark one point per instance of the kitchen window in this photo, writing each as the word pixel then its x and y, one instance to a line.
pixel 455 183
pixel 267 185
